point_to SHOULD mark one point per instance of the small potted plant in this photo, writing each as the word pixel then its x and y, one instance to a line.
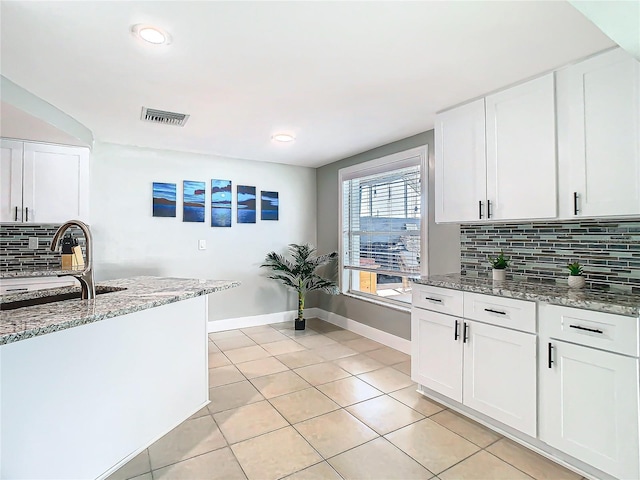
pixel 575 280
pixel 300 274
pixel 499 264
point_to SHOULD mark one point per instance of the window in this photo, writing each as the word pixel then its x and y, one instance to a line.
pixel 381 242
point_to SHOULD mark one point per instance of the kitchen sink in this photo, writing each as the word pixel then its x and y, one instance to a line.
pixel 30 302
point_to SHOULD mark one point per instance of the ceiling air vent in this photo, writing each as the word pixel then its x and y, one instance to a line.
pixel 165 118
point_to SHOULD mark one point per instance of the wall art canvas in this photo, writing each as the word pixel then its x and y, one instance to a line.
pixel 193 206
pixel 246 204
pixel 269 205
pixel 220 203
pixel 164 199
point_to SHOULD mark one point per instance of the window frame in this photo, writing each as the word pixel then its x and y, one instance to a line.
pixel 405 158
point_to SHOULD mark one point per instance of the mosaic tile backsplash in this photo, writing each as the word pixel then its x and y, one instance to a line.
pixel 609 251
pixel 15 253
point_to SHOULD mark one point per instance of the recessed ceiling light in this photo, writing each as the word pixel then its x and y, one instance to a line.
pixel 283 137
pixel 151 34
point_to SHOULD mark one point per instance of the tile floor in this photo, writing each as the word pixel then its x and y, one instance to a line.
pixel 325 403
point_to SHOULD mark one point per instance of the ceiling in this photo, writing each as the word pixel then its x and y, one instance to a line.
pixel 344 77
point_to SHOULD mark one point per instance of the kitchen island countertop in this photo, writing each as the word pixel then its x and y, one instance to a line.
pixel 555 294
pixel 126 296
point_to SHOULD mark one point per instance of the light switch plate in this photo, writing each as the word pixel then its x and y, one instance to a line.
pixel 202 244
pixel 33 243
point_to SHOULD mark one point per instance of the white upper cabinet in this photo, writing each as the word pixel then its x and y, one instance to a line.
pixel 599 136
pixel 521 151
pixel 48 183
pixel 460 186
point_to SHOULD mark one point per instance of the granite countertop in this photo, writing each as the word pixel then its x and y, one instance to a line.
pixel 37 273
pixel 589 299
pixel 124 296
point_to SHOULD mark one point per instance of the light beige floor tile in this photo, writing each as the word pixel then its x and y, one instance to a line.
pixel 249 331
pixel 144 476
pixel 387 379
pixel 335 432
pixel 530 462
pixel 362 345
pixel 284 346
pixel 466 428
pixel 261 367
pixel 343 335
pixel 348 391
pixel 190 438
pixel 225 334
pixel 233 395
pixel 320 471
pixel 384 414
pixel 224 375
pixel 267 337
pixel 279 384
pixel 200 413
pixel 357 364
pixel 316 341
pixel 218 465
pixel 388 356
pixel 322 326
pixel 333 352
pixel 300 359
pixel 246 354
pixel 295 334
pixel 483 466
pixel 321 373
pixel 410 397
pixel 249 421
pixel 232 343
pixel 213 348
pixel 404 367
pixel 218 359
pixel 271 456
pixel 138 465
pixel 435 447
pixel 303 404
pixel 378 459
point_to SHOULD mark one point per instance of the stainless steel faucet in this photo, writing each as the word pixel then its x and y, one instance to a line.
pixel 85 276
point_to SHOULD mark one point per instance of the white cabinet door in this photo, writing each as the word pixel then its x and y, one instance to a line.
pixel 599 136
pixel 56 183
pixel 460 189
pixel 11 181
pixel 589 407
pixel 436 352
pixel 521 151
pixel 500 375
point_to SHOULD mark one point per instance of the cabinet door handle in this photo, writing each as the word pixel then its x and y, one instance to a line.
pixel 456 333
pixel 26 210
pixel 575 203
pixel 16 215
pixel 550 354
pixel 17 289
pixel 465 327
pixel 594 330
pixel 437 300
pixel 495 311
pixel 480 209
pixel 488 208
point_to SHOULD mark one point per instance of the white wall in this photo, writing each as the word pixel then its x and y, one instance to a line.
pixel 130 241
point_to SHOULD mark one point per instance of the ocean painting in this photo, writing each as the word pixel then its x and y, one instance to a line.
pixel 164 199
pixel 246 204
pixel 269 205
pixel 193 206
pixel 220 203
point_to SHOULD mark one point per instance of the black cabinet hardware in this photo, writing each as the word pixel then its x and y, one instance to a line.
pixel 495 311
pixel 456 331
pixel 465 327
pixel 480 209
pixel 433 299
pixel 17 289
pixel 578 327
pixel 549 350
pixel 26 219
pixel 16 217
pixel 575 203
pixel 488 208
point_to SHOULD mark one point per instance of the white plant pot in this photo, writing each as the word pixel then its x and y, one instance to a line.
pixel 576 281
pixel 499 274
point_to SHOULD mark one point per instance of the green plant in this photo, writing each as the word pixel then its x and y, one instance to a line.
pixel 575 269
pixel 500 262
pixel 300 272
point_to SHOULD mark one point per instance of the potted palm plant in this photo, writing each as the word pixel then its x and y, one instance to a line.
pixel 499 264
pixel 575 280
pixel 299 274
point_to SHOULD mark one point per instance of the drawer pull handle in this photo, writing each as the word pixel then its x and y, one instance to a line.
pixel 495 311
pixel 17 289
pixel 594 330
pixel 433 299
pixel 456 332
pixel 465 328
pixel 549 350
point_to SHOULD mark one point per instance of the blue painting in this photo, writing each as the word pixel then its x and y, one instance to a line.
pixel 246 204
pixel 193 206
pixel 164 199
pixel 269 205
pixel 220 203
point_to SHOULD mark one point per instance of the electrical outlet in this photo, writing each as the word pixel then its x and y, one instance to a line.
pixel 33 243
pixel 202 244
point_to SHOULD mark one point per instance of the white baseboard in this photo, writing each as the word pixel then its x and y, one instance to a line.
pixel 253 321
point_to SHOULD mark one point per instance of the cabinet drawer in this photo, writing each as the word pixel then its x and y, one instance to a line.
pixel 501 311
pixel 21 285
pixel 606 331
pixel 443 300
